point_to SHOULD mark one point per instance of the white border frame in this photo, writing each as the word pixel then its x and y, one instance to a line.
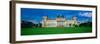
pixel 40 37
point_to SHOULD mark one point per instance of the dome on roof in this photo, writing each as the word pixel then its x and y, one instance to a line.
pixel 74 18
pixel 60 16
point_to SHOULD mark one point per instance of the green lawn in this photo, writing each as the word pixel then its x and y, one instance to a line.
pixel 55 30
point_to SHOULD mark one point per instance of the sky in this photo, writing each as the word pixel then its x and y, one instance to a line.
pixel 36 14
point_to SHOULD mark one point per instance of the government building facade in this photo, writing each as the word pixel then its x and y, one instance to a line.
pixel 59 21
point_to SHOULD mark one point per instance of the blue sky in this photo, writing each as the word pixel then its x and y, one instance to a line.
pixel 36 14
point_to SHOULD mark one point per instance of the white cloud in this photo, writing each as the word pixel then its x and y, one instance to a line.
pixel 87 14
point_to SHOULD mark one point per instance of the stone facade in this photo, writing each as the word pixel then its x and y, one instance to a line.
pixel 60 21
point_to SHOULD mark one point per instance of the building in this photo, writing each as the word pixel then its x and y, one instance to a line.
pixel 60 21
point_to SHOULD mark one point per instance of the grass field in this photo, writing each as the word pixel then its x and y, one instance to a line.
pixel 55 30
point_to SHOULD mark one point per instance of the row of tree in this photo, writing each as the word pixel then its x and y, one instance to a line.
pixel 27 24
pixel 89 24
